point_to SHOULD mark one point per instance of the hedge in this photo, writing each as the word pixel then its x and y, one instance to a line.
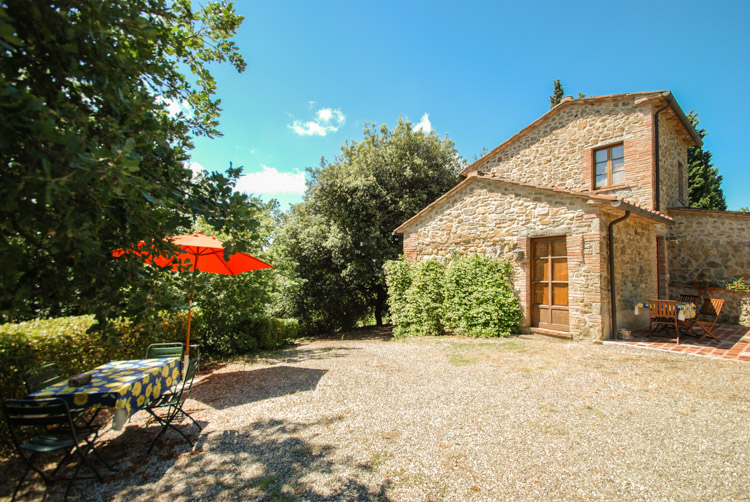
pixel 67 342
pixel 471 296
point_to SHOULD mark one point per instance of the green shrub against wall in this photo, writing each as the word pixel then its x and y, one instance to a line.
pixel 479 297
pixel 472 296
pixel 398 281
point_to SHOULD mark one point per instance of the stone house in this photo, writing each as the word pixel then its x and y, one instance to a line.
pixel 590 204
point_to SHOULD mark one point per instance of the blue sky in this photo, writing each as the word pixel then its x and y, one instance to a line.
pixel 476 71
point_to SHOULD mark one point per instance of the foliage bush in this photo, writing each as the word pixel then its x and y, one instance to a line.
pixel 398 281
pixel 479 297
pixel 471 296
pixel 416 297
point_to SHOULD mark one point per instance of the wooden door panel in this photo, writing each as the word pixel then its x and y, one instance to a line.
pixel 549 278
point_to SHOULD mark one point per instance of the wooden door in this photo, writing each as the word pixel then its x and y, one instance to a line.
pixel 549 283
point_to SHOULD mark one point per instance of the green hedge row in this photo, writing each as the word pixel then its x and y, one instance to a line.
pixel 67 342
pixel 471 295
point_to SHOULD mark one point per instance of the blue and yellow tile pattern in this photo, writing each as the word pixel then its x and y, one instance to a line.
pixel 126 386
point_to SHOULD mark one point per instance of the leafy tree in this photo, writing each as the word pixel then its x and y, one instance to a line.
pixel 233 311
pixel 558 93
pixel 341 234
pixel 90 158
pixel 744 209
pixel 704 181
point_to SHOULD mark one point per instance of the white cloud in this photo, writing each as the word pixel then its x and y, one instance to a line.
pixel 195 167
pixel 424 124
pixel 327 120
pixel 271 181
pixel 175 107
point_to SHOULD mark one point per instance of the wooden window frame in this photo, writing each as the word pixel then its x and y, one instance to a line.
pixel 608 148
pixel 680 183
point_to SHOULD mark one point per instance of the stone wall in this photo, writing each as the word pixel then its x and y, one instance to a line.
pixel 492 218
pixel 558 151
pixel 635 267
pixel 715 245
pixel 671 151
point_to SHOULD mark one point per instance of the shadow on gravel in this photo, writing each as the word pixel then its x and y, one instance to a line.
pixel 383 333
pixel 268 460
pixel 300 355
pixel 235 388
pixel 126 452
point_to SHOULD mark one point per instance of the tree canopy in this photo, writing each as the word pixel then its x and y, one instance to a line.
pixel 91 158
pixel 340 236
pixel 704 181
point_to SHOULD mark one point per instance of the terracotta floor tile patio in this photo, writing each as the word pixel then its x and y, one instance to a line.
pixel 734 344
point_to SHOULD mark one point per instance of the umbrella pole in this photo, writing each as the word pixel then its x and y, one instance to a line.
pixel 190 307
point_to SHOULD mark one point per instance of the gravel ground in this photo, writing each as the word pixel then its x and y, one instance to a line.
pixel 444 419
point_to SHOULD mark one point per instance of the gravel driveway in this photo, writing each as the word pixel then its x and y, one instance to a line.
pixel 445 419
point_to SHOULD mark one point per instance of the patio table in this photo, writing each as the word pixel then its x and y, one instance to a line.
pixel 685 310
pixel 126 386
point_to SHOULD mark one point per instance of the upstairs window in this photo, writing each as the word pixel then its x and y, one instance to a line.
pixel 609 166
pixel 680 182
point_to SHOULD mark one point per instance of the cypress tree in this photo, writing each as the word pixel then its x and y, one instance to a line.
pixel 557 94
pixel 704 181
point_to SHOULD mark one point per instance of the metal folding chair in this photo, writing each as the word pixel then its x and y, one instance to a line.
pixel 49 374
pixel 172 402
pixel 168 349
pixel 57 431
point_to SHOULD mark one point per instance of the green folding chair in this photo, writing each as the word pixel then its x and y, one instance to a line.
pixel 49 374
pixel 167 407
pixel 42 377
pixel 168 349
pixel 57 431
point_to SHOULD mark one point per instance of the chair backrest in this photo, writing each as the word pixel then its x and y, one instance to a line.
pixel 42 377
pixel 712 307
pixel 187 381
pixel 169 349
pixel 694 299
pixel 37 412
pixel 662 308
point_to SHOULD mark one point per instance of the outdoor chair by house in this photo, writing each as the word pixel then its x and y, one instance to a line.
pixel 706 318
pixel 56 431
pixel 49 374
pixel 169 349
pixel 171 403
pixel 663 314
pixel 694 299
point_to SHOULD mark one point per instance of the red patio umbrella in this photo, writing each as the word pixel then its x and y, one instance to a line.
pixel 201 254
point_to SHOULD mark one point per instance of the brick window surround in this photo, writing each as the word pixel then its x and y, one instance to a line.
pixel 608 166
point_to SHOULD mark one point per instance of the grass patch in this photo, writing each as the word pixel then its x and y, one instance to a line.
pixel 550 428
pixel 463 353
pixel 379 459
pixel 263 482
